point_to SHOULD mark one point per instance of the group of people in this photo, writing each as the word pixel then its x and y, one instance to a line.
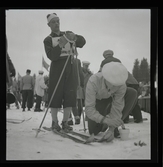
pixel 109 96
pixel 28 90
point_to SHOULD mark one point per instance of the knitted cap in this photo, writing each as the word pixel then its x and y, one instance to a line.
pixel 51 16
pixel 108 52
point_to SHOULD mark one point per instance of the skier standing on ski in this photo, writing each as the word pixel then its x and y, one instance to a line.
pixel 58 48
pixel 108 100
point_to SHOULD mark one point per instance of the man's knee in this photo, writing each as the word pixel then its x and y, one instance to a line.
pixel 131 93
pixel 94 127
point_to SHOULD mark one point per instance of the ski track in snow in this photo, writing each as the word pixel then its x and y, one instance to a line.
pixel 21 143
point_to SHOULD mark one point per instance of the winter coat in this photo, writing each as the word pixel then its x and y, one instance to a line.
pixel 96 89
pixel 27 83
pixel 87 74
pixel 58 57
pixel 40 85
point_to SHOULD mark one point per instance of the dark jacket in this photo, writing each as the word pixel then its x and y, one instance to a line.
pixel 81 76
pixel 54 53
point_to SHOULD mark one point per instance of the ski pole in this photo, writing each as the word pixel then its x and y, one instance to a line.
pixel 38 130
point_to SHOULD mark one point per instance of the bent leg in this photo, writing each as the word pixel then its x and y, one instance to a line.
pixel 102 107
pixel 130 101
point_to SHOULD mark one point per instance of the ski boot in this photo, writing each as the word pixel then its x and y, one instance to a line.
pixel 65 127
pixel 77 120
pixel 70 121
pixel 116 133
pixel 55 126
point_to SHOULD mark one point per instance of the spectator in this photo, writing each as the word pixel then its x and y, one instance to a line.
pixel 15 91
pixel 86 72
pixel 39 90
pixel 26 88
pixel 10 72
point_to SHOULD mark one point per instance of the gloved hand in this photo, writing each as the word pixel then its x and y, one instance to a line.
pixel 62 41
pixel 70 36
pixel 109 136
pixel 113 122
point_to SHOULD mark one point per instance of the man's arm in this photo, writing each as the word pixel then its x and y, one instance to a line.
pixel 80 41
pixel 90 103
pixel 118 103
pixel 53 53
pixel 42 83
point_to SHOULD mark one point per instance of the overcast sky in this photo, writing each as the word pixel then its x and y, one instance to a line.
pixel 125 31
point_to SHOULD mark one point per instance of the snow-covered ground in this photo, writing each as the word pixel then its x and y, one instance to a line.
pixel 21 143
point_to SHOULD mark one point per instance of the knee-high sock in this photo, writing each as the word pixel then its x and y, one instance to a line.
pixel 130 101
pixel 54 113
pixel 66 113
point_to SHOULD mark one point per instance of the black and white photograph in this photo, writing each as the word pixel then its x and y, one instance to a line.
pixel 78 84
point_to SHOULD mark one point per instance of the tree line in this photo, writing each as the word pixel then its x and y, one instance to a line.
pixel 141 70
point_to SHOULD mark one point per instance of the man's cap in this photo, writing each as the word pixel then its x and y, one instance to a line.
pixel 51 16
pixel 86 62
pixel 40 72
pixel 108 52
pixel 28 70
pixel 115 73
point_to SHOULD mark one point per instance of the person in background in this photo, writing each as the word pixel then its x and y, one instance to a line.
pixel 15 91
pixel 59 46
pixel 108 100
pixel 108 57
pixel 45 97
pixel 39 90
pixel 130 82
pixel 26 88
pixel 10 72
pixel 146 90
pixel 86 72
pixel 77 110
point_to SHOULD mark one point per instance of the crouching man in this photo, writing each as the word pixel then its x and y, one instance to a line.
pixel 108 101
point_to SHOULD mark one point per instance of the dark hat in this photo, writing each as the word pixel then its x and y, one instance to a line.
pixel 40 72
pixel 29 71
pixel 86 62
pixel 108 52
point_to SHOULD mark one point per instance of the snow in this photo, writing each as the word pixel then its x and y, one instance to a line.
pixel 21 143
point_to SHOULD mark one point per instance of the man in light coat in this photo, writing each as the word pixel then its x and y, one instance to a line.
pixel 108 100
pixel 39 90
